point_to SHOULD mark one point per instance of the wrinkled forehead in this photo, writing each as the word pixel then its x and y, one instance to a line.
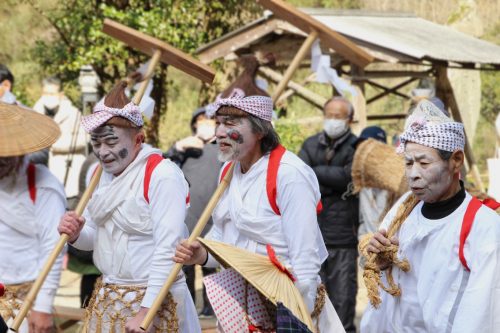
pixel 418 151
pixel 110 132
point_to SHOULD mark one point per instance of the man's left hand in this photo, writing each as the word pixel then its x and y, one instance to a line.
pixel 40 322
pixel 133 324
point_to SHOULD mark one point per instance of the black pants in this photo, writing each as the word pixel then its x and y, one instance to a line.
pixel 339 274
pixel 190 277
pixel 87 288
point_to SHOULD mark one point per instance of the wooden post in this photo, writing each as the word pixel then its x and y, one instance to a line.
pixel 149 74
pixel 306 47
pixel 30 298
pixel 444 91
pixel 202 222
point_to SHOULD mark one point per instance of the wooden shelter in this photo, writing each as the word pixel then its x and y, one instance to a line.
pixel 406 47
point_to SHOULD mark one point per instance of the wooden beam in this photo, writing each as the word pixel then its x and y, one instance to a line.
pixel 392 90
pixel 304 49
pixel 290 92
pixel 391 74
pixel 309 96
pixel 387 116
pixel 236 41
pixel 329 37
pixel 169 54
pixel 444 91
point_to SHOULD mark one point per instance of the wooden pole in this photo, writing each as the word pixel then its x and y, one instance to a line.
pixel 202 222
pixel 30 298
pixel 306 47
pixel 444 91
pixel 149 74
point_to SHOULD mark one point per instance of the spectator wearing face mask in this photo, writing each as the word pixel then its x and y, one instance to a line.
pixel 67 154
pixel 330 154
pixel 196 155
pixel 6 83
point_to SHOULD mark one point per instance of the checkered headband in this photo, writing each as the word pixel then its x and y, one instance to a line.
pixel 102 113
pixel 428 126
pixel 258 106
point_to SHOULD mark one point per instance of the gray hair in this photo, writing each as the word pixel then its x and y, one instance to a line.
pixel 51 80
pixel 270 139
pixel 350 108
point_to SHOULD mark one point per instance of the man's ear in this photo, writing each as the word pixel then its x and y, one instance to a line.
pixel 457 160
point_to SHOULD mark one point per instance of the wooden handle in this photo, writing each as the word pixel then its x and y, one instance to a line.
pixel 149 73
pixel 306 46
pixel 202 222
pixel 30 298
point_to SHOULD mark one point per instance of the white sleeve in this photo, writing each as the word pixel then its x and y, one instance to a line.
pixel 296 200
pixel 391 214
pixel 168 210
pixel 85 240
pixel 214 234
pixel 482 252
pixel 50 206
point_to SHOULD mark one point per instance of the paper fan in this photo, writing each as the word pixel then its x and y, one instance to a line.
pixel 265 273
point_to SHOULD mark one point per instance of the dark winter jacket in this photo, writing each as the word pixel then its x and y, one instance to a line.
pixel 201 169
pixel 332 162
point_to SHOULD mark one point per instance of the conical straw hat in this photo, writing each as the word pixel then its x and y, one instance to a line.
pixel 377 165
pixel 24 131
pixel 261 273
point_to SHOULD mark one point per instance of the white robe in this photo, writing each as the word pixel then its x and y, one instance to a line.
pixel 28 232
pixel 72 137
pixel 244 218
pixel 134 241
pixel 438 294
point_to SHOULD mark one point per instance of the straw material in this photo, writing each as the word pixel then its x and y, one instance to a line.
pixel 24 131
pixel 261 273
pixel 377 165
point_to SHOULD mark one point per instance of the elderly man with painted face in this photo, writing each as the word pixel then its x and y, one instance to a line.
pixel 330 154
pixel 133 222
pixel 450 239
pixel 246 215
pixel 31 202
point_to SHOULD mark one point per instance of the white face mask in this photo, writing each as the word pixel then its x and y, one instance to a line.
pixel 205 131
pixel 334 128
pixel 8 98
pixel 50 101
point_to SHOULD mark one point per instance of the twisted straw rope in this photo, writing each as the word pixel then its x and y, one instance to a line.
pixel 372 273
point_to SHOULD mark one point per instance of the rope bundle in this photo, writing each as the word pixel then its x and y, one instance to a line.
pixel 372 272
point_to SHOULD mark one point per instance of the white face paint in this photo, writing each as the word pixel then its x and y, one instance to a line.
pixel 115 147
pixel 235 138
pixel 429 177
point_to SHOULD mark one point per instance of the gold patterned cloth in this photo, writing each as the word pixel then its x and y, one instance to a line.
pixel 12 300
pixel 112 305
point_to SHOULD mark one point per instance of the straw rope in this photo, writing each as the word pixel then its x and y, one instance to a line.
pixel 12 300
pixel 109 308
pixel 372 272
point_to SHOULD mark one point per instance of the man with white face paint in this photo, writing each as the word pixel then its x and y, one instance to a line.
pixel 31 202
pixel 246 215
pixel 330 155
pixel 132 223
pixel 450 239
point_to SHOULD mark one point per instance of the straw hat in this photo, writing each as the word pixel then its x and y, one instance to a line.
pixel 377 165
pixel 261 273
pixel 24 131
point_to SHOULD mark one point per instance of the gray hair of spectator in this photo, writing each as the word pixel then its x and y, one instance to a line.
pixel 270 139
pixel 52 80
pixel 350 108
